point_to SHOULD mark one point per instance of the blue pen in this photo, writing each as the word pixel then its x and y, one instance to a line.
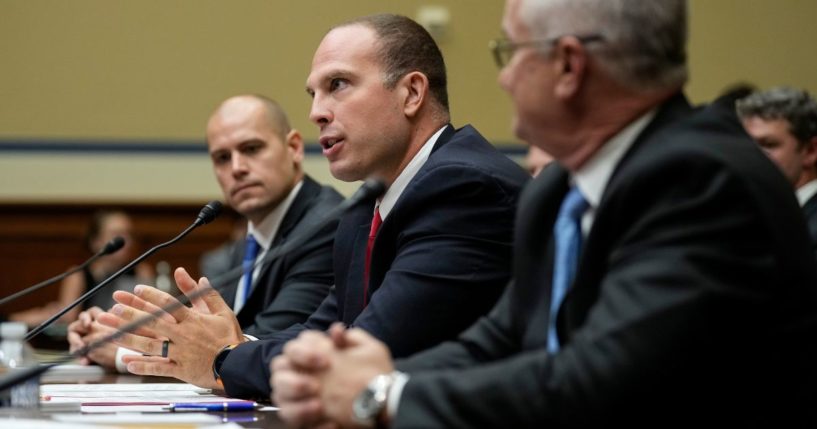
pixel 219 406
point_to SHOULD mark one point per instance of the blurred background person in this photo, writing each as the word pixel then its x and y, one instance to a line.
pixel 783 121
pixel 104 226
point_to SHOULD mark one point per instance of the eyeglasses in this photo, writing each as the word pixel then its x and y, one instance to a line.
pixel 503 49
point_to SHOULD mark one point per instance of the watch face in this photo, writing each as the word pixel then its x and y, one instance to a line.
pixel 372 400
pixel 365 406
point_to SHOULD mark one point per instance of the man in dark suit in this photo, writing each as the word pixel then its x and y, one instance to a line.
pixel 413 268
pixel 257 159
pixel 783 121
pixel 662 274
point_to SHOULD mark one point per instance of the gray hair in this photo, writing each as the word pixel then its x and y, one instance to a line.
pixel 795 106
pixel 644 41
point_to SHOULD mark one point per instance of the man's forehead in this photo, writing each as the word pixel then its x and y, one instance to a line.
pixel 343 48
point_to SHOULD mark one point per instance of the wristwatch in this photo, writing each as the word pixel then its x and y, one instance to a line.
pixel 371 402
pixel 219 360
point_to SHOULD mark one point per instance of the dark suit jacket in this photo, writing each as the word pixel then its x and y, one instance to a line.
pixel 694 302
pixel 291 287
pixel 810 211
pixel 440 260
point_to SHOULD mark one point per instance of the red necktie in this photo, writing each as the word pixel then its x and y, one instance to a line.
pixel 376 221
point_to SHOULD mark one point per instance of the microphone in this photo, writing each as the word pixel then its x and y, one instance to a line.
pixel 12 378
pixel 371 188
pixel 112 246
pixel 207 214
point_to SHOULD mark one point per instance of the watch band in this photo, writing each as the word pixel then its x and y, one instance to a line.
pixel 219 360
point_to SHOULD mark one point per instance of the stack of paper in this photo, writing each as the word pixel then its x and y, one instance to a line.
pixel 109 398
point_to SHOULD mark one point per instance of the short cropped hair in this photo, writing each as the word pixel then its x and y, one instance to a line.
pixel 795 106
pixel 275 114
pixel 405 46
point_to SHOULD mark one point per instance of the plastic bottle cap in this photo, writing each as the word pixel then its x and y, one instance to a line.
pixel 13 330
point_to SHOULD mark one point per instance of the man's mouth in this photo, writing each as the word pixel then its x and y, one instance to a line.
pixel 327 143
pixel 243 187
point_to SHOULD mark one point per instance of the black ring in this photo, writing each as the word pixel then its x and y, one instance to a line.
pixel 165 346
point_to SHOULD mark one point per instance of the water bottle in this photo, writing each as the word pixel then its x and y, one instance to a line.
pixel 163 280
pixel 16 355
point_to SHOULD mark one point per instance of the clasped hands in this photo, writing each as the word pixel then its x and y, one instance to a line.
pixel 317 377
pixel 196 333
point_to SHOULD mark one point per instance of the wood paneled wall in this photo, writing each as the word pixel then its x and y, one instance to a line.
pixel 39 241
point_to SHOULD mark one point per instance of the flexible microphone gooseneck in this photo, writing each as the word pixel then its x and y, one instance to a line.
pixel 13 378
pixel 206 215
pixel 112 246
pixel 370 189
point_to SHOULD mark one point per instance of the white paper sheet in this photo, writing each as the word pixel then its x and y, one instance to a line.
pixel 126 397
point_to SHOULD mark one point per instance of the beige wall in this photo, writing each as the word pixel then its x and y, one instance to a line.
pixel 153 70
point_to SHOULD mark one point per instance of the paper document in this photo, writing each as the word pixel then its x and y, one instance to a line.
pixel 96 398
pixel 72 372
pixel 199 419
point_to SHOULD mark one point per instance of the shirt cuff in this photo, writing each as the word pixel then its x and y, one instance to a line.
pixel 120 353
pixel 395 391
pixel 249 337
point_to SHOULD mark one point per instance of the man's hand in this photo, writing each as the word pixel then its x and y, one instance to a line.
pixel 79 329
pixel 86 330
pixel 196 334
pixel 359 359
pixel 296 388
pixel 318 377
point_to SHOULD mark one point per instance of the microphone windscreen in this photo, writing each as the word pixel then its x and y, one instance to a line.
pixel 112 246
pixel 209 212
pixel 372 188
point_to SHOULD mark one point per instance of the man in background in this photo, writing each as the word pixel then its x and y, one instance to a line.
pixel 257 159
pixel 783 121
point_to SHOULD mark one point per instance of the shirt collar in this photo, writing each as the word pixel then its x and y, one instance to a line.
pixel 266 230
pixel 805 192
pixel 396 189
pixel 593 176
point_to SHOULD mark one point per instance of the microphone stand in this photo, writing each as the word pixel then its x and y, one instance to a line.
pixel 207 214
pixel 372 188
pixel 15 377
pixel 111 247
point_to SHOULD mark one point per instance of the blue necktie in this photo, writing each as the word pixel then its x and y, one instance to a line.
pixel 250 253
pixel 568 235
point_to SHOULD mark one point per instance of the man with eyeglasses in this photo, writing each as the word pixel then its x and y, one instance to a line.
pixel 663 275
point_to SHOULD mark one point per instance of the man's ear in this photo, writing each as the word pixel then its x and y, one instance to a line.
pixel 571 63
pixel 415 87
pixel 810 153
pixel 295 145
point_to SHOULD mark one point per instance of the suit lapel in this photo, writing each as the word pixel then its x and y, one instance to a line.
pixel 383 249
pixel 533 255
pixel 595 249
pixel 359 221
pixel 302 202
pixel 228 290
